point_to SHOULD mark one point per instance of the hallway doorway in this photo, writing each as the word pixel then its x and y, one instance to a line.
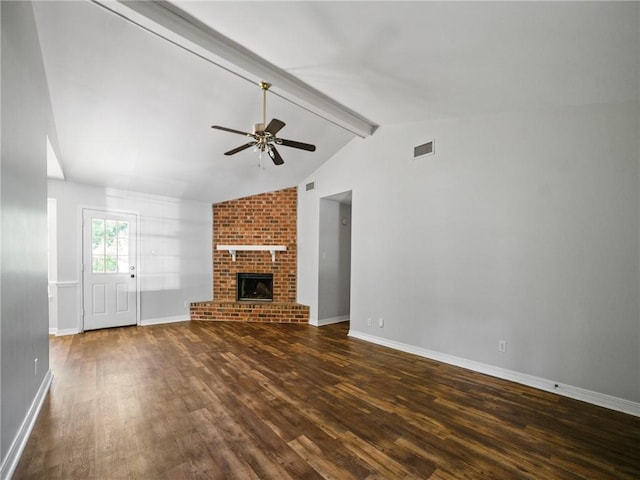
pixel 334 272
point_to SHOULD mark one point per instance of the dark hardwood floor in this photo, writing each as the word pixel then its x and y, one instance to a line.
pixel 259 401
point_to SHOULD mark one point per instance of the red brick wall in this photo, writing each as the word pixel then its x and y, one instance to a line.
pixel 264 219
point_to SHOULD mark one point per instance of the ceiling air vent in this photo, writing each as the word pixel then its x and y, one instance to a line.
pixel 424 149
pixel 311 186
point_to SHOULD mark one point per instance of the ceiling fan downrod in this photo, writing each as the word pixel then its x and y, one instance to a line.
pixel 264 86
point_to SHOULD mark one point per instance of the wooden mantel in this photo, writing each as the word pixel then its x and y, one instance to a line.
pixel 232 249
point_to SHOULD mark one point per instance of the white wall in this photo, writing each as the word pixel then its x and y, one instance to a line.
pixel 334 262
pixel 174 248
pixel 522 227
pixel 25 125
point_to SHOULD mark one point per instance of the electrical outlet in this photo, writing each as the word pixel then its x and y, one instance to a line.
pixel 381 322
pixel 35 366
pixel 186 303
pixel 368 322
pixel 502 346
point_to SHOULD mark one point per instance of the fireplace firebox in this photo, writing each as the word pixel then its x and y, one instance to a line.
pixel 255 286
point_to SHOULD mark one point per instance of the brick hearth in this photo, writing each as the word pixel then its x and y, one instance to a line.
pixel 265 219
pixel 250 312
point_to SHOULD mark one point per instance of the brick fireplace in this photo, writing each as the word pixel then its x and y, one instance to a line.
pixel 255 235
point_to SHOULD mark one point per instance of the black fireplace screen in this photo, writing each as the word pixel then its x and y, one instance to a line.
pixel 255 286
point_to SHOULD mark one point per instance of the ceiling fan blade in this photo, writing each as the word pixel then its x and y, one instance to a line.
pixel 300 145
pixel 275 156
pixel 240 148
pixel 225 129
pixel 274 126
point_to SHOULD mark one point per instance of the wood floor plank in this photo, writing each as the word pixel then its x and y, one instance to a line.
pixel 215 400
pixel 326 466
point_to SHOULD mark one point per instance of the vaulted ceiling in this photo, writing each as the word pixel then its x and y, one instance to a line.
pixel 135 88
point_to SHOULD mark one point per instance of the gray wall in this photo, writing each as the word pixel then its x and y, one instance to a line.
pixel 174 250
pixel 23 210
pixel 522 227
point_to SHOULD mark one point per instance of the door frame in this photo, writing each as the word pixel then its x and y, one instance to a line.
pixel 342 198
pixel 107 210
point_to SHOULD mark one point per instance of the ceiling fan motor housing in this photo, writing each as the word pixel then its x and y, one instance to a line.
pixel 258 128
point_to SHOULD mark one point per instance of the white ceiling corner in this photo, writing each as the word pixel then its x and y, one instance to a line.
pixel 54 167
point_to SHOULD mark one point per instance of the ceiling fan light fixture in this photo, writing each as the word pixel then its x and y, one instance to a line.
pixel 264 135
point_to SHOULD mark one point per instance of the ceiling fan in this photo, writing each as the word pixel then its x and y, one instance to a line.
pixel 264 136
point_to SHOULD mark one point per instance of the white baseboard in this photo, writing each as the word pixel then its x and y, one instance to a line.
pixel 20 441
pixel 577 393
pixel 329 321
pixel 59 332
pixel 161 320
pixel 143 323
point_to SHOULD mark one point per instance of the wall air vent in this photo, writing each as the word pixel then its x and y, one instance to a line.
pixel 424 149
pixel 311 186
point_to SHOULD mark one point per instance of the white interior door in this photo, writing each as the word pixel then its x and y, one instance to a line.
pixel 109 269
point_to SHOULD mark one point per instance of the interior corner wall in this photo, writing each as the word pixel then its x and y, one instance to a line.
pixel 174 250
pixel 521 227
pixel 24 328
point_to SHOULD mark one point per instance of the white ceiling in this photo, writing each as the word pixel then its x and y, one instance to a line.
pixel 134 111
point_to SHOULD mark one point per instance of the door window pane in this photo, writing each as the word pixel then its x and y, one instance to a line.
pixel 123 263
pixel 111 235
pixel 110 246
pixel 98 264
pixel 97 236
pixel 123 246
